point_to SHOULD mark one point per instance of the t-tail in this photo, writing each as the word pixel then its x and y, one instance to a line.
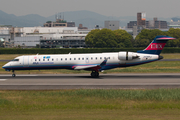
pixel 157 45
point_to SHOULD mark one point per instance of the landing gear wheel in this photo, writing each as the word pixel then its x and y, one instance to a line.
pixel 95 74
pixel 13 75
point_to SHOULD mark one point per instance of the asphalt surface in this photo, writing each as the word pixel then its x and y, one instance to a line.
pixel 84 81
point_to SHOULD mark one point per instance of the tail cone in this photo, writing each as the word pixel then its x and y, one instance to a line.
pixel 160 57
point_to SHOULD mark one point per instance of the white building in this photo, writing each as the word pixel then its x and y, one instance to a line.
pixel 43 30
pixel 174 26
pixel 49 37
pixel 27 41
pixel 4 33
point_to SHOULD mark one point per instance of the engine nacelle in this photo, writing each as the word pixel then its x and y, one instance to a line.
pixel 127 56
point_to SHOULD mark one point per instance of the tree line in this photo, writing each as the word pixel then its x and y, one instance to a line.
pixel 107 38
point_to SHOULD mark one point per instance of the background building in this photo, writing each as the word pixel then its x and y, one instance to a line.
pixel 156 24
pixel 141 19
pixel 63 41
pixel 113 25
pixel 81 27
pixel 141 23
pixel 131 24
pixel 48 37
pixel 174 26
pixel 27 41
pixel 5 37
pixel 58 23
pixel 71 24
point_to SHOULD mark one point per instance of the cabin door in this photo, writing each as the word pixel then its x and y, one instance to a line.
pixel 26 61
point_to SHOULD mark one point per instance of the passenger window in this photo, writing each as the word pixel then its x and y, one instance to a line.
pixel 65 58
pixel 79 59
pixel 86 58
pixel 92 58
pixel 82 58
pixel 61 59
pixel 74 58
pixel 39 59
pixel 35 59
pixel 100 57
pixel 43 59
pixel 48 59
pixel 104 57
pixel 96 58
pixel 69 58
pixel 52 59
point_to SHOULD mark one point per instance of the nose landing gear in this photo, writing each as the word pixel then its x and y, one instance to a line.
pixel 95 74
pixel 13 75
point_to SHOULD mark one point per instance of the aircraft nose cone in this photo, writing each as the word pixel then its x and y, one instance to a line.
pixel 5 66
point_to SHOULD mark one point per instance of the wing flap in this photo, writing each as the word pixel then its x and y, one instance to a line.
pixel 84 67
pixel 93 67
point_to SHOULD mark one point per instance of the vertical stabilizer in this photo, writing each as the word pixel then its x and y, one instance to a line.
pixel 157 45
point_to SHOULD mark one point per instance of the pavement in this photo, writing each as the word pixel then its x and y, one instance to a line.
pixel 84 81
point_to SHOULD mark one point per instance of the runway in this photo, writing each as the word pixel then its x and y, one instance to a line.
pixel 84 81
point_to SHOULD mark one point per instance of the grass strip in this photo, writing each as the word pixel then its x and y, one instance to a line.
pixel 90 104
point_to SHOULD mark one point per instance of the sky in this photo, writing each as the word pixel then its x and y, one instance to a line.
pixel 153 8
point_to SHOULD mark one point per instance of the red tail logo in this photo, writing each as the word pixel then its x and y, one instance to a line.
pixel 156 46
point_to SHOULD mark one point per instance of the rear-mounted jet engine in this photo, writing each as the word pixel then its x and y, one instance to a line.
pixel 127 56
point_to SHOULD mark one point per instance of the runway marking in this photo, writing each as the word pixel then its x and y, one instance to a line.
pixel 16 75
pixel 3 79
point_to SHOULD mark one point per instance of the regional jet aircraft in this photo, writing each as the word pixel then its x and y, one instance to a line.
pixel 95 62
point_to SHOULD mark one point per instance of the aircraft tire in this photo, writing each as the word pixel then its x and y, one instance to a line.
pixel 97 74
pixel 13 75
pixel 94 74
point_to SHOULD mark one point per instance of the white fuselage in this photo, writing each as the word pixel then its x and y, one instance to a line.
pixel 77 61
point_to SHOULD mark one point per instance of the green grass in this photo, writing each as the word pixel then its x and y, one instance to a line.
pixel 171 56
pixel 90 104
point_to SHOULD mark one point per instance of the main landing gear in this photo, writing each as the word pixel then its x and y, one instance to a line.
pixel 95 74
pixel 13 75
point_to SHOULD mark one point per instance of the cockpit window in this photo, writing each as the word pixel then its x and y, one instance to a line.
pixel 15 60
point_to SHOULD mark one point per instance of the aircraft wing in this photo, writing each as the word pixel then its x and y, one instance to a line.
pixel 83 67
pixel 91 67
